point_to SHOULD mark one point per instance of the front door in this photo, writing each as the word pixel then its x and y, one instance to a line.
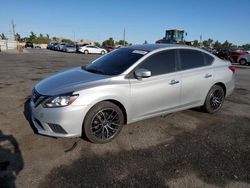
pixel 158 93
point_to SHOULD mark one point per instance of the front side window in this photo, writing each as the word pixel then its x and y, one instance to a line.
pixel 160 63
pixel 191 59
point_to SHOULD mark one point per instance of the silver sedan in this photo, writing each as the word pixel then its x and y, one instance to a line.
pixel 128 85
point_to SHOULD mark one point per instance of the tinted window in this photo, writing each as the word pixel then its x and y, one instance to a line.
pixel 115 62
pixel 191 59
pixel 208 59
pixel 160 63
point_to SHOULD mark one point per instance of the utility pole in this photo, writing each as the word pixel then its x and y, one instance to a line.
pixel 200 39
pixel 124 33
pixel 13 28
pixel 74 37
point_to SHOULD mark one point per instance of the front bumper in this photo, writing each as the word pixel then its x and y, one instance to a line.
pixel 58 122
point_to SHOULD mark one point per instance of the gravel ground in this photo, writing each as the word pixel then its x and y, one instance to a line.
pixel 183 149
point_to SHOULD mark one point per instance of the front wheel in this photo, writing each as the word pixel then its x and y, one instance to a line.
pixel 214 99
pixel 86 52
pixel 103 122
pixel 102 52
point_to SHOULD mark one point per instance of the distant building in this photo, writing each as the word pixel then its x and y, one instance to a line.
pixel 86 41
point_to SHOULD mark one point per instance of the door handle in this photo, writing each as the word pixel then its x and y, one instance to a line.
pixel 208 76
pixel 172 82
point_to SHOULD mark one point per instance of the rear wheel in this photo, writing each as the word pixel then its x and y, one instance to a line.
pixel 102 52
pixel 103 122
pixel 86 52
pixel 214 99
pixel 243 62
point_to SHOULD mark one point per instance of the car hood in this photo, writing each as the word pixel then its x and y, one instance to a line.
pixel 69 81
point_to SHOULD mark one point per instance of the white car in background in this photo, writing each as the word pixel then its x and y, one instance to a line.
pixel 89 49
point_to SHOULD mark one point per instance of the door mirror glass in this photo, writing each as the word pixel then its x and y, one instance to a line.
pixel 142 73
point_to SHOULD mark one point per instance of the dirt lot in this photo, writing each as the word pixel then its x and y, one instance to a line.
pixel 184 149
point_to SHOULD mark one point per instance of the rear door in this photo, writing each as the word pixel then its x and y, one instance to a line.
pixel 161 91
pixel 196 75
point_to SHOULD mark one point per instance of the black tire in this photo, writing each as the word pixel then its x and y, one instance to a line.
pixel 243 62
pixel 214 100
pixel 86 52
pixel 103 122
pixel 102 52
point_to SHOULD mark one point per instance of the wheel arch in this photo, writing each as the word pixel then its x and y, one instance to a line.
pixel 243 58
pixel 223 87
pixel 114 101
pixel 121 106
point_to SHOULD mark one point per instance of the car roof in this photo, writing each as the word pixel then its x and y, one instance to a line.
pixel 152 47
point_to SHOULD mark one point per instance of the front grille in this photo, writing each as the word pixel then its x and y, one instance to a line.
pixel 57 128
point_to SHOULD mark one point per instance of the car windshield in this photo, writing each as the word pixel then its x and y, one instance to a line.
pixel 115 62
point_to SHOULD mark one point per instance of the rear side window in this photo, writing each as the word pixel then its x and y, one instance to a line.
pixel 160 63
pixel 191 59
pixel 208 59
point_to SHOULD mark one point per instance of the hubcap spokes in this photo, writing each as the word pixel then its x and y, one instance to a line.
pixel 216 99
pixel 105 124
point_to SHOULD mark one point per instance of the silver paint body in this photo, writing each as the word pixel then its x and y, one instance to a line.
pixel 141 98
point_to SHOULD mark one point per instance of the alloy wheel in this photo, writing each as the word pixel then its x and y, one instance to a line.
pixel 105 124
pixel 216 99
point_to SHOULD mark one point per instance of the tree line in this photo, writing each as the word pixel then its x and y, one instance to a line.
pixel 111 42
pixel 37 39
pixel 210 43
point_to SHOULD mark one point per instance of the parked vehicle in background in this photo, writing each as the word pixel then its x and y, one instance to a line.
pixel 244 59
pixel 78 46
pixel 53 47
pixel 29 45
pixel 49 45
pixel 128 85
pixel 69 48
pixel 37 46
pixel 59 46
pixel 236 54
pixel 89 49
pixel 109 48
pixel 223 54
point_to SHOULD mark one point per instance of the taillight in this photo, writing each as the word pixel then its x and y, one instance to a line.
pixel 232 68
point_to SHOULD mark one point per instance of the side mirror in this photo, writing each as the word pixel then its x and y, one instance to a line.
pixel 142 73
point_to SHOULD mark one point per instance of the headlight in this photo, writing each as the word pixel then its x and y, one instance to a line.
pixel 60 101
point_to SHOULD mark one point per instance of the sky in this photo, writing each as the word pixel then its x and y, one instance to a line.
pixel 142 19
